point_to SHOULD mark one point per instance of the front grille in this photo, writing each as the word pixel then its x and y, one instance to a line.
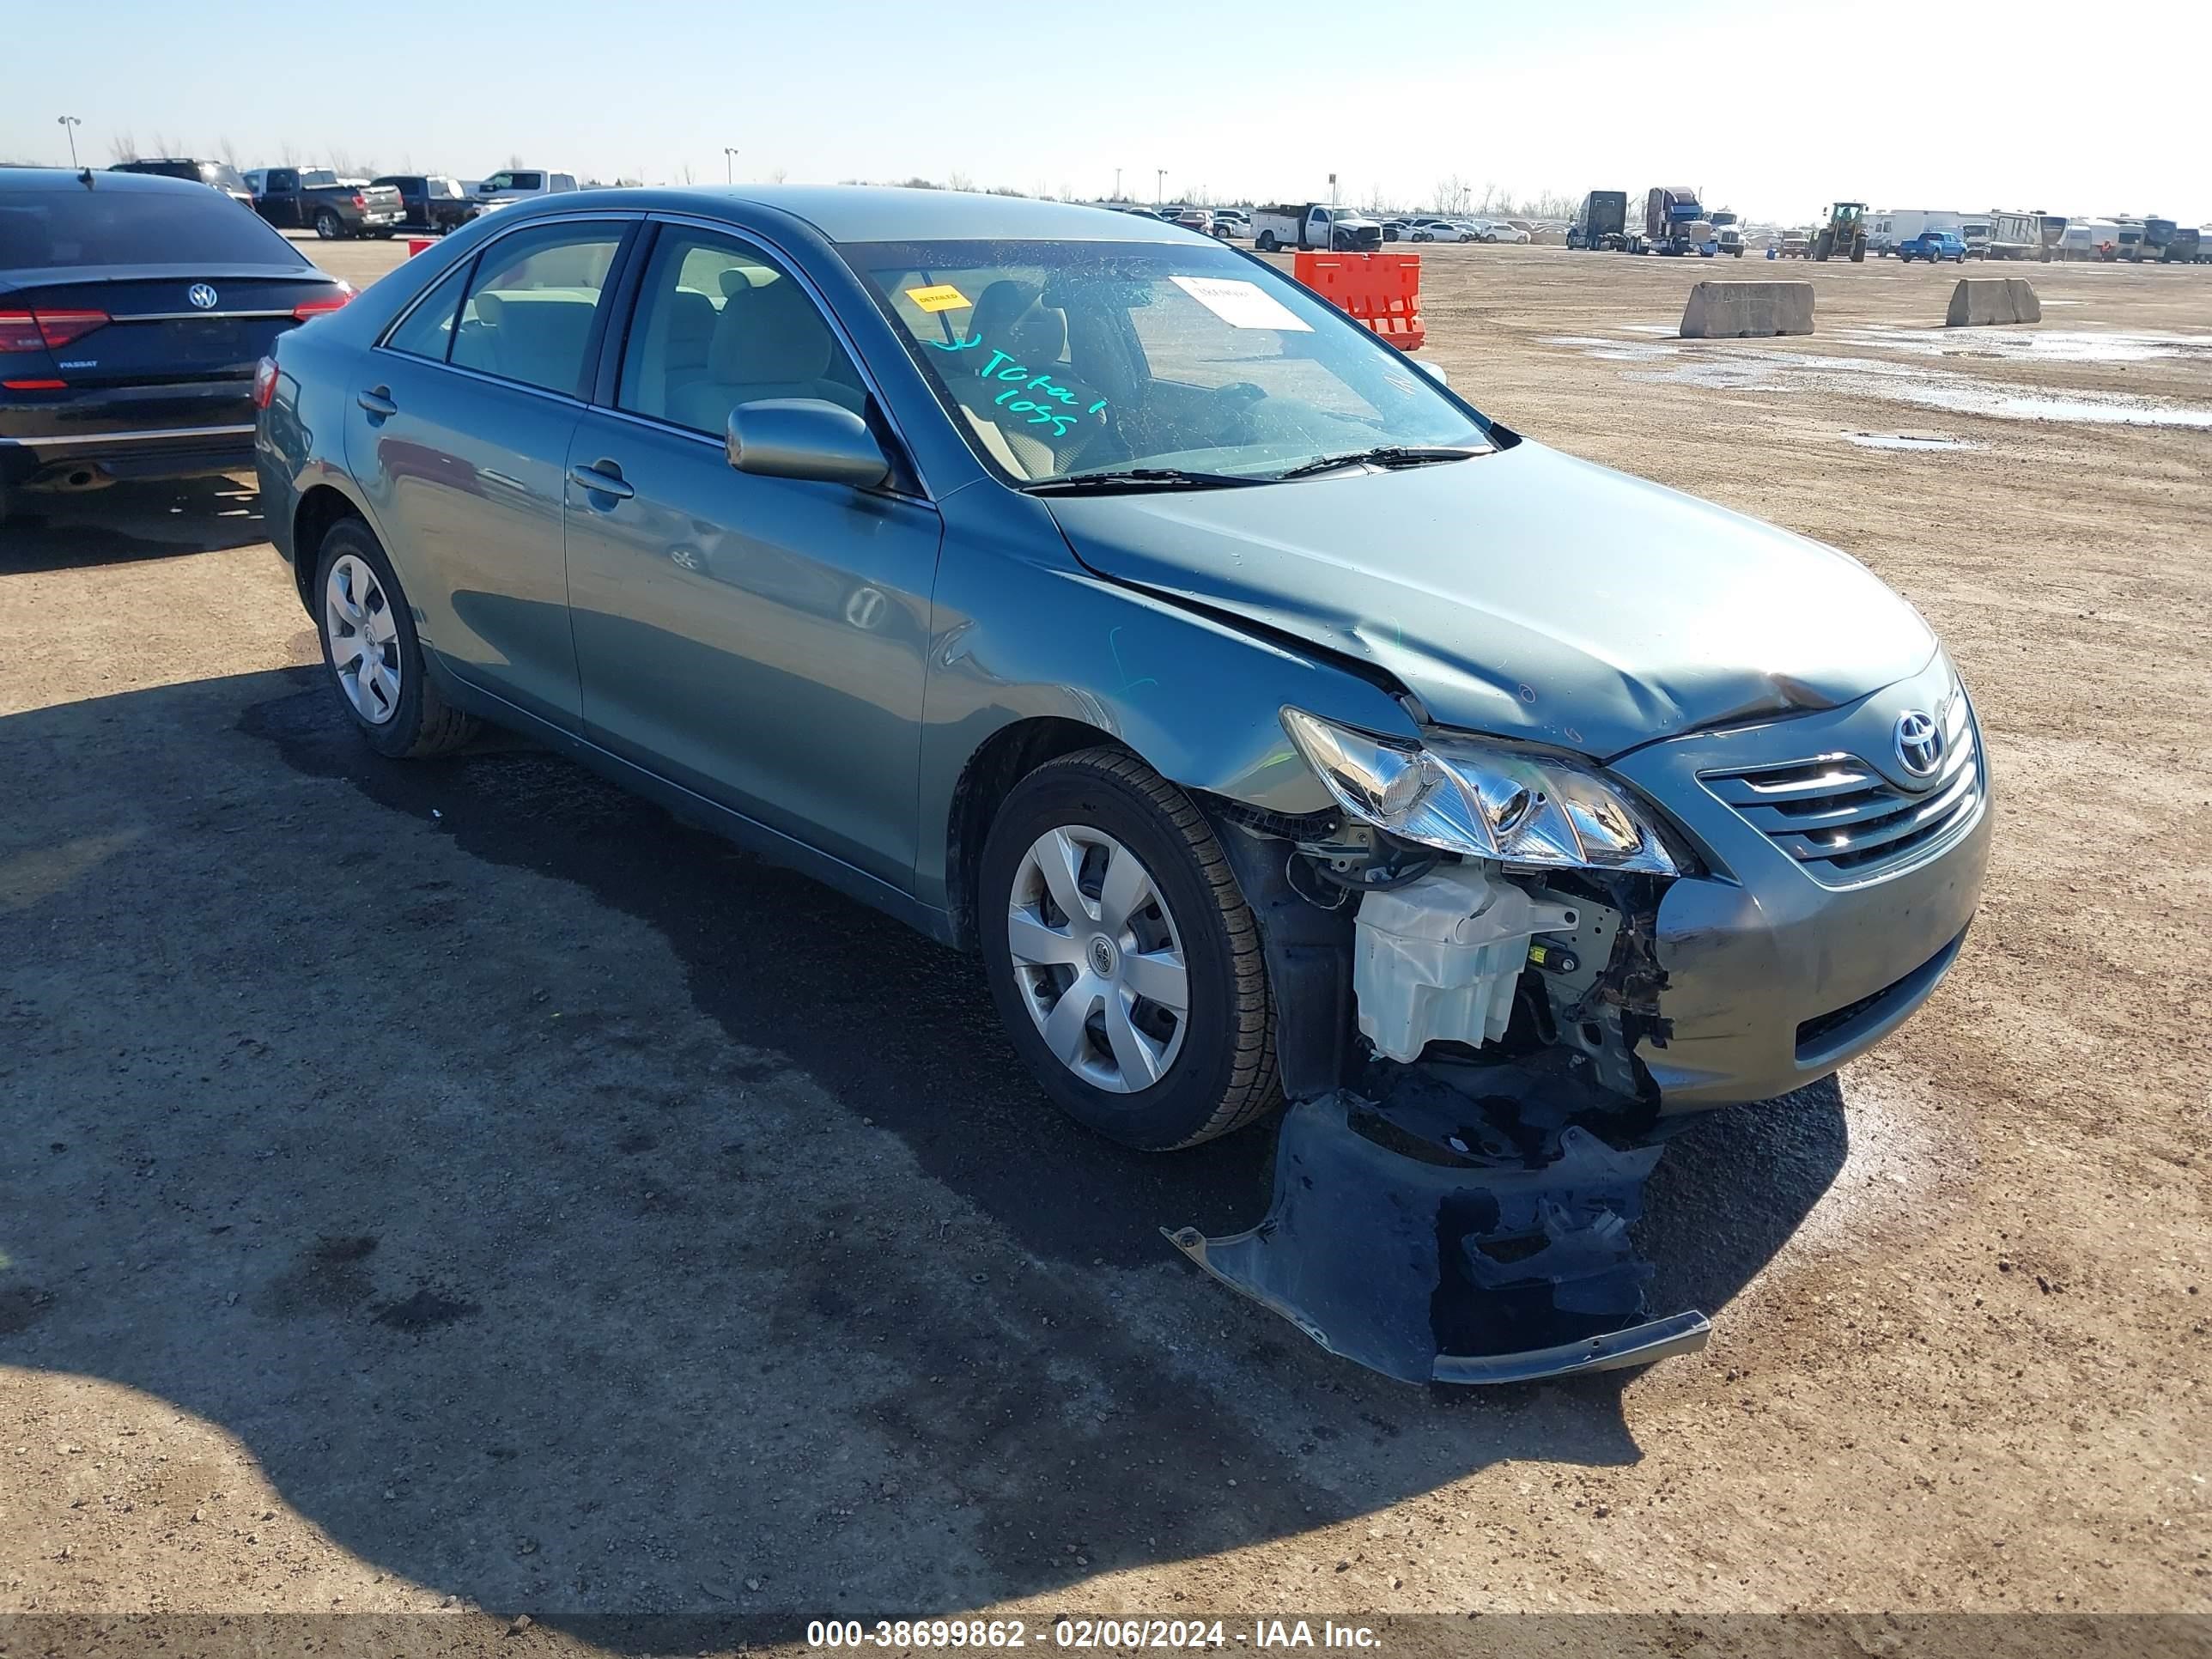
pixel 1845 821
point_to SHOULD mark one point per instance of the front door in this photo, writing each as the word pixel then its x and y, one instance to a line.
pixel 759 640
pixel 458 432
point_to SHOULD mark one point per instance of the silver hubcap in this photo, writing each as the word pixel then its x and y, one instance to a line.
pixel 363 638
pixel 1098 959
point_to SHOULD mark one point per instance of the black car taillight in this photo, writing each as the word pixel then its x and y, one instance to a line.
pixel 47 331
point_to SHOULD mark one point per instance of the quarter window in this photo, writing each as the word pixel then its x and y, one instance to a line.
pixel 428 330
pixel 529 313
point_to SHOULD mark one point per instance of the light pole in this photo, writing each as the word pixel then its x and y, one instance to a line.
pixel 1159 185
pixel 70 124
pixel 730 164
pixel 1117 183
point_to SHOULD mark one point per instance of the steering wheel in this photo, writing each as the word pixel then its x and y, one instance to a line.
pixel 1232 404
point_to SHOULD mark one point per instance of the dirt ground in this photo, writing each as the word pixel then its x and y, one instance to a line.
pixel 454 1187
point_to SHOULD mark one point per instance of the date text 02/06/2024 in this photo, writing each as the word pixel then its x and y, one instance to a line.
pixel 1002 1634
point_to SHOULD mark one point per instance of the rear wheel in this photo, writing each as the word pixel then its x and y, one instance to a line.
pixel 327 226
pixel 1266 243
pixel 374 655
pixel 1122 957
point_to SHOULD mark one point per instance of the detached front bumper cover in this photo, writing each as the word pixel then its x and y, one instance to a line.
pixel 1442 1237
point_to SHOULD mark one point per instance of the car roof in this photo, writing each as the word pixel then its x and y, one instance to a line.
pixel 878 213
pixel 55 179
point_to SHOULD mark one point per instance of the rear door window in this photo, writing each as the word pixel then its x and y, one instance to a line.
pixel 47 230
pixel 529 311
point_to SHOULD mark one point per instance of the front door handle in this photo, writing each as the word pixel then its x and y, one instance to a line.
pixel 377 400
pixel 604 483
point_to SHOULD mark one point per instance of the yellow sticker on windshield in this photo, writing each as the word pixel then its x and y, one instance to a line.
pixel 943 297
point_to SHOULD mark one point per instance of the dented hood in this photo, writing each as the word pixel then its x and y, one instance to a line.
pixel 1526 593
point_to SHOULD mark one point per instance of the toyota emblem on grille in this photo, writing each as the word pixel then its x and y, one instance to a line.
pixel 201 296
pixel 1919 742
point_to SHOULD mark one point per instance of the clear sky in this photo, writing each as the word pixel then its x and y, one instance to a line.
pixel 1772 109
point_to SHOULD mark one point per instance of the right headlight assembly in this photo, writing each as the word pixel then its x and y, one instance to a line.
pixel 1482 801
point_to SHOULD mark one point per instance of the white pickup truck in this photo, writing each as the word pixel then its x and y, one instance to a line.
pixel 1314 225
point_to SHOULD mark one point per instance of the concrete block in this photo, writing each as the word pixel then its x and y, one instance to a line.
pixel 1983 301
pixel 1746 311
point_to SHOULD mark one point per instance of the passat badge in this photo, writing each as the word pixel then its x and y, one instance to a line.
pixel 201 296
pixel 1919 742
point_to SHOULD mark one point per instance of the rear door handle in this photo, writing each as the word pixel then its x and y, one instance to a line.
pixel 604 483
pixel 377 400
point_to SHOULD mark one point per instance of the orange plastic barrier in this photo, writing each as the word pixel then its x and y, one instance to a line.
pixel 1382 290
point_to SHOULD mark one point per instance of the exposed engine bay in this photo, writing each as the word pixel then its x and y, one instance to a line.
pixel 1471 1129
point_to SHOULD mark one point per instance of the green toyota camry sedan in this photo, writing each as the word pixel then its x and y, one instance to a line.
pixel 1089 594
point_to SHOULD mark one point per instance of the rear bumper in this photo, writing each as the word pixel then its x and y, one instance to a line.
pixel 128 432
pixel 1774 979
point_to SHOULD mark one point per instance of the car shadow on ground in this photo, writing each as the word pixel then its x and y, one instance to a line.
pixel 127 521
pixel 578 1216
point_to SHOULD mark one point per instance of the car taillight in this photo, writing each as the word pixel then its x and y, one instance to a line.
pixel 308 309
pixel 50 330
pixel 360 200
pixel 264 382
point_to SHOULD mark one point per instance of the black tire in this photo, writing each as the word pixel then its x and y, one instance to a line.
pixel 1266 243
pixel 327 226
pixel 425 724
pixel 1224 1076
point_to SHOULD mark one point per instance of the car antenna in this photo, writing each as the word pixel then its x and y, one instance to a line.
pixel 85 178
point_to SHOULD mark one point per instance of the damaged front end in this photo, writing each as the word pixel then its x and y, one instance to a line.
pixel 1438 1237
pixel 1465 971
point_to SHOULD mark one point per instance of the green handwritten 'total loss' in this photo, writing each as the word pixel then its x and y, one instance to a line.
pixel 1040 384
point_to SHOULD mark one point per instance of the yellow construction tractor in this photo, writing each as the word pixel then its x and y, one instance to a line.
pixel 1844 233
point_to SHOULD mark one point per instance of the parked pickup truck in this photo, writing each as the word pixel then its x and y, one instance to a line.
pixel 1933 246
pixel 431 202
pixel 316 199
pixel 1314 225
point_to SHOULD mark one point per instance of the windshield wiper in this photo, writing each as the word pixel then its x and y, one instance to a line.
pixel 1392 455
pixel 1138 478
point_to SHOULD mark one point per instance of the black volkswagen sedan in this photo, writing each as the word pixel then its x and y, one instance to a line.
pixel 133 309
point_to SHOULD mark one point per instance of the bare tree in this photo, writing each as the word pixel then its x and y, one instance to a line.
pixel 959 181
pixel 288 154
pixel 777 176
pixel 123 148
pixel 228 151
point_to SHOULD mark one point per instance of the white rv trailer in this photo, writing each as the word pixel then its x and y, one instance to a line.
pixel 2088 238
pixel 1886 226
pixel 2024 235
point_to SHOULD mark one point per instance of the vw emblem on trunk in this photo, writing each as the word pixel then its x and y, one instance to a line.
pixel 201 296
pixel 1919 742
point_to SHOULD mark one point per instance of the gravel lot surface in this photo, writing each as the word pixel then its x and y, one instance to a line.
pixel 455 1187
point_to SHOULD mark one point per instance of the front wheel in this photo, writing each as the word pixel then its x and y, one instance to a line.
pixel 373 653
pixel 1123 959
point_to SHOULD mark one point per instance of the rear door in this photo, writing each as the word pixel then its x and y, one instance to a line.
pixel 457 430
pixel 279 202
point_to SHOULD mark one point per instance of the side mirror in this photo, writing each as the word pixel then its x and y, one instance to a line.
pixel 1435 371
pixel 804 438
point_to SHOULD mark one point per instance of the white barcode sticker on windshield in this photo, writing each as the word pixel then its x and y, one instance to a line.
pixel 1241 304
